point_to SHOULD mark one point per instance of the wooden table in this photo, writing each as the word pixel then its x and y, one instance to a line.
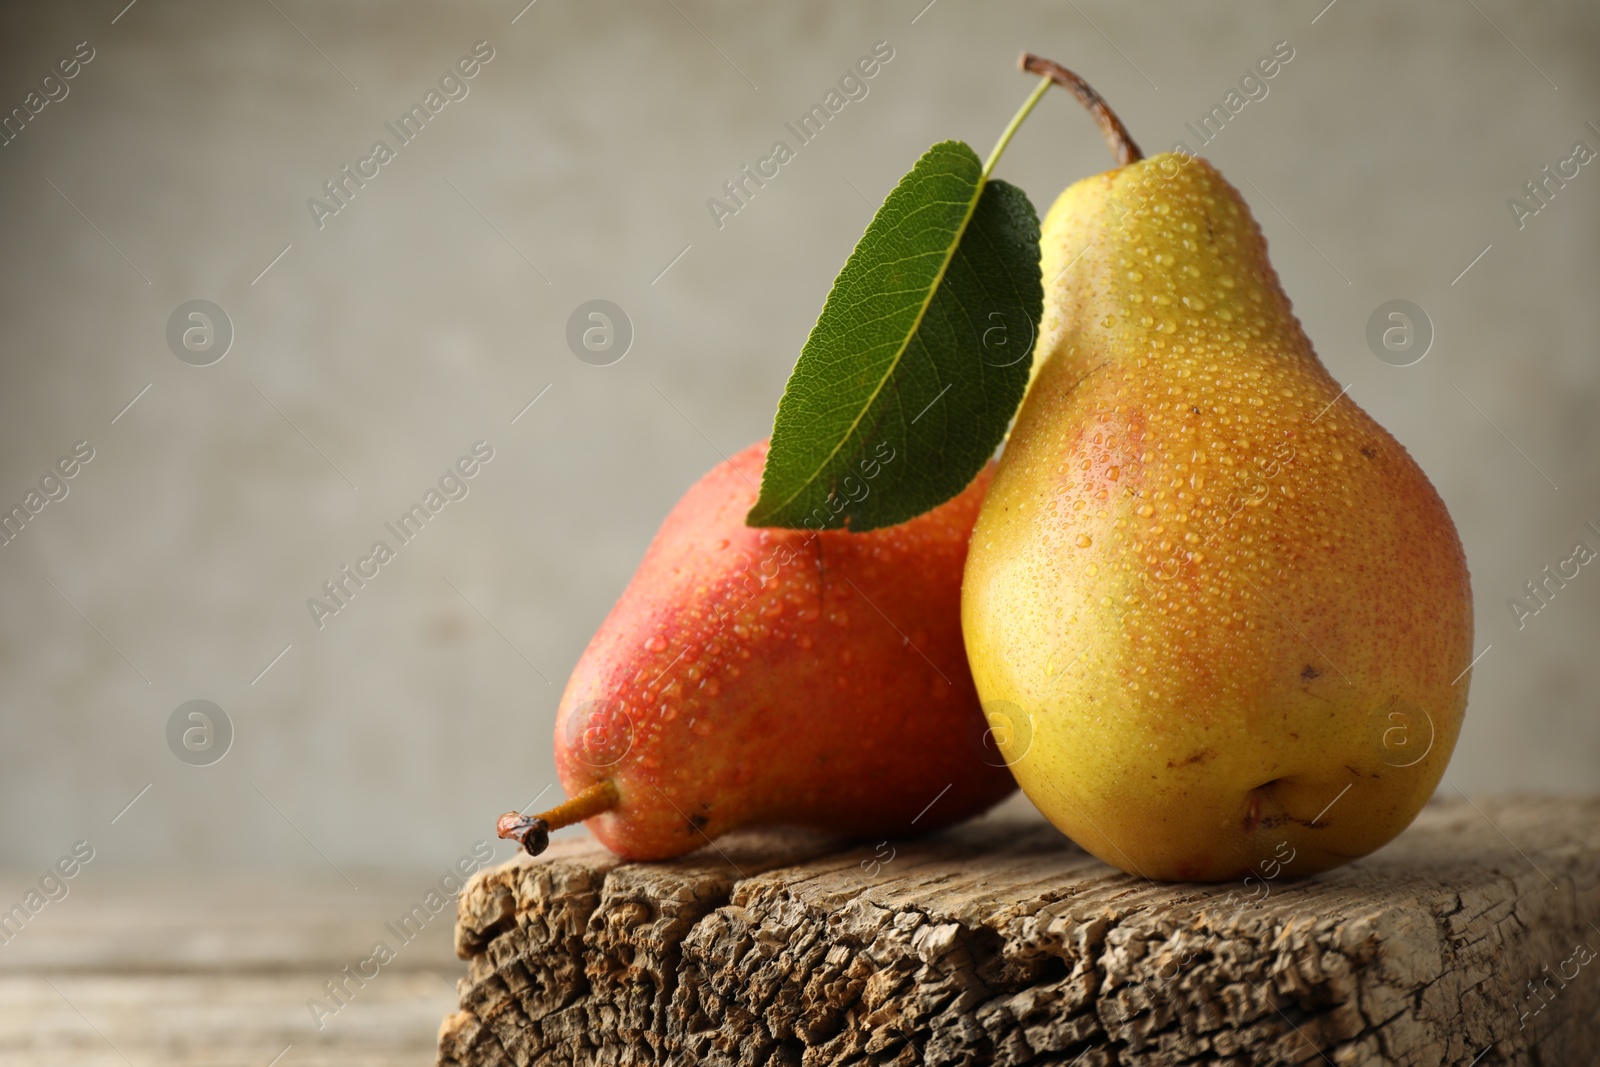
pixel 1000 942
pixel 196 971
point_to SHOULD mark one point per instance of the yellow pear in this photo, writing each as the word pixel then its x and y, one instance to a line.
pixel 1220 621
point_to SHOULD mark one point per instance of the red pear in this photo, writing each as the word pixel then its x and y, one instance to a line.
pixel 764 676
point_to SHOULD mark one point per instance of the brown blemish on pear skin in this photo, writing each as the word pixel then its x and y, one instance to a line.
pixel 1252 813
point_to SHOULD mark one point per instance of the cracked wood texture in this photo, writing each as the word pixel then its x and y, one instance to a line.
pixel 1471 939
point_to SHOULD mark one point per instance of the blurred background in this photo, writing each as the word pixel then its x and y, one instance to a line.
pixel 351 348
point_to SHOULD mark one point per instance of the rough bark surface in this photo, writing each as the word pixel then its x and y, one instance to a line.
pixel 1472 939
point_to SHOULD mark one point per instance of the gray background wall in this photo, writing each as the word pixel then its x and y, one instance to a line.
pixel 429 311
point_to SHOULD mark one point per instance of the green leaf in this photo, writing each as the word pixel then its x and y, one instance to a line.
pixel 919 358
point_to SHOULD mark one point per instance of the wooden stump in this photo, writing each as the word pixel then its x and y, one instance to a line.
pixel 1472 939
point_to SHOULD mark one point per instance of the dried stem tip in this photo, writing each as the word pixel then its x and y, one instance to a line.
pixel 1116 134
pixel 533 831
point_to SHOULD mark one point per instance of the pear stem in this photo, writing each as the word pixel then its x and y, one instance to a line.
pixel 1116 134
pixel 533 831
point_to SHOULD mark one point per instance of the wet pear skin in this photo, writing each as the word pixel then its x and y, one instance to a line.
pixel 1219 618
pixel 768 676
